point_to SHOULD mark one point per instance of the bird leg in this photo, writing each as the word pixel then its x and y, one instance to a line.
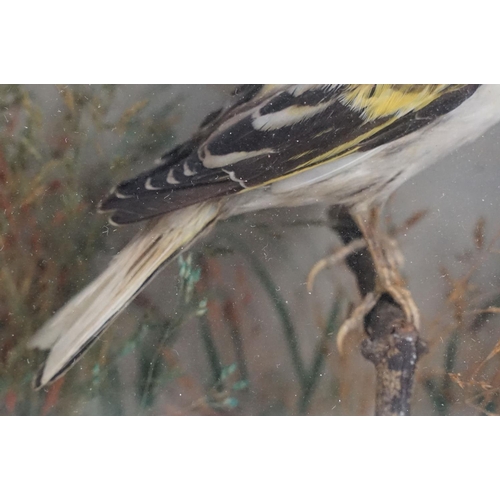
pixel 376 267
pixel 387 260
pixel 387 313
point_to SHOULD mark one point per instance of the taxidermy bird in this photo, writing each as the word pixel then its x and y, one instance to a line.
pixel 272 146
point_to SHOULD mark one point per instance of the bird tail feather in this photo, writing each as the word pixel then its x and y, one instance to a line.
pixel 71 331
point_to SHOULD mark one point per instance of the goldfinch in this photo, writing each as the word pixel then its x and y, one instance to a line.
pixel 272 146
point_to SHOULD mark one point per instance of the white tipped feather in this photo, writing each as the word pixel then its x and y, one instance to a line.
pixel 84 317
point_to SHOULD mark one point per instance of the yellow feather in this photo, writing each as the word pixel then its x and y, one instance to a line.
pixel 381 100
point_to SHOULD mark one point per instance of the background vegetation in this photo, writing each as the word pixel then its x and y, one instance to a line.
pixel 231 328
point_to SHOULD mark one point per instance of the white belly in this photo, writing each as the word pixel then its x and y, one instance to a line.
pixel 363 179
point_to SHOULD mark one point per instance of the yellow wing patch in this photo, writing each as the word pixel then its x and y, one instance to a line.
pixel 378 101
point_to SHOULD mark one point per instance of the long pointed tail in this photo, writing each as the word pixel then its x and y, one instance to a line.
pixel 72 330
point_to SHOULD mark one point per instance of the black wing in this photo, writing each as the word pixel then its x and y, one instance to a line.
pixel 273 131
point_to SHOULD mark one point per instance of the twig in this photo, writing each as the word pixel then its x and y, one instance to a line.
pixel 393 347
pixel 359 261
pixel 231 314
pixel 210 349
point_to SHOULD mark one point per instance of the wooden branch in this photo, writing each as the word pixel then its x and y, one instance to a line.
pixel 359 262
pixel 393 345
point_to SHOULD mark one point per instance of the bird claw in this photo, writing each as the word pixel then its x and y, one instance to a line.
pixel 388 262
pixel 356 320
pixel 332 260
